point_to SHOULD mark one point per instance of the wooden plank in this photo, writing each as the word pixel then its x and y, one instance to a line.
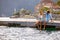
pixel 23 20
pixel 12 20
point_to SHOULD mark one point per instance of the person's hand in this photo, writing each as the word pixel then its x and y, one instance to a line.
pixel 37 21
pixel 51 21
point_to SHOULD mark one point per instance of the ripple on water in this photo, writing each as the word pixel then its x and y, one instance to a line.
pixel 27 34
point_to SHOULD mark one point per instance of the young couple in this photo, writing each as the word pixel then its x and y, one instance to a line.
pixel 44 19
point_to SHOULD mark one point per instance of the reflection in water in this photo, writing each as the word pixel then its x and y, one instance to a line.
pixel 27 34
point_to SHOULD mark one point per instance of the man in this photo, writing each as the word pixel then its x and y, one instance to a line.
pixel 48 17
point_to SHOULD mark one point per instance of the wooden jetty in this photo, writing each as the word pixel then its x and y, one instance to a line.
pixel 26 21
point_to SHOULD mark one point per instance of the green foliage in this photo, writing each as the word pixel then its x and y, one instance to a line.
pixel 17 13
pixel 22 12
pixel 45 8
pixel 58 2
pixel 57 12
pixel 25 12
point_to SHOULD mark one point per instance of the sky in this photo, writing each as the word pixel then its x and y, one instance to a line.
pixel 7 6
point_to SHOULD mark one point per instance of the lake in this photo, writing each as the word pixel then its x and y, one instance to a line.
pixel 26 33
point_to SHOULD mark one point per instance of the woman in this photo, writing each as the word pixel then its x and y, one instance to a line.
pixel 40 19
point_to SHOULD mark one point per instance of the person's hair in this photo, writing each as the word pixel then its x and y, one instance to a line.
pixel 48 11
pixel 41 12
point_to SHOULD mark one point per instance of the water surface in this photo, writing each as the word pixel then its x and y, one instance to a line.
pixel 27 34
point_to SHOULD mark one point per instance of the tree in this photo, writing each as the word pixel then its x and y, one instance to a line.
pixel 28 12
pixel 22 12
pixel 45 8
pixel 58 2
pixel 17 13
pixel 25 12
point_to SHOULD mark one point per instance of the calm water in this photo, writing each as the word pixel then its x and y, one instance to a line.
pixel 27 34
